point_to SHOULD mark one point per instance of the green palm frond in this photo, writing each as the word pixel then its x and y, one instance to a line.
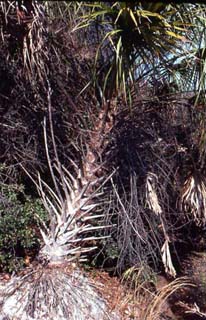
pixel 134 34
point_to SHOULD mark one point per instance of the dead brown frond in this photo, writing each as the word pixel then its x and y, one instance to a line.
pixel 167 259
pixel 153 204
pixel 23 23
pixel 148 155
pixel 151 193
pixel 193 310
pixel 193 198
pixel 155 307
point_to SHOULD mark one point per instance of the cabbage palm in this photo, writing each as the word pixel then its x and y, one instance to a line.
pixel 191 76
pixel 136 38
pixel 152 43
pixel 75 204
pixel 138 42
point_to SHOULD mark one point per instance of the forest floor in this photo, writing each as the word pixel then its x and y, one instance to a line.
pixel 121 299
pixel 133 303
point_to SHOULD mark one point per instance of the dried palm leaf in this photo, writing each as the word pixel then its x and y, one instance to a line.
pixel 153 203
pixel 193 198
pixel 151 193
pixel 24 23
pixel 167 260
pixel 154 309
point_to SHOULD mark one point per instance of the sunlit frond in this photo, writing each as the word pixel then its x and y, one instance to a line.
pixel 135 34
pixel 193 198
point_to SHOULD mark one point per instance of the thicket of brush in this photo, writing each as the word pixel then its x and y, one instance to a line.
pixel 140 166
pixel 152 146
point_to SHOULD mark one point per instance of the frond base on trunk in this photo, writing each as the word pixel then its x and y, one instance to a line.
pixel 49 293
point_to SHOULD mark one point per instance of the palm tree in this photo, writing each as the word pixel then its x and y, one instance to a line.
pixel 72 207
pixel 193 190
pixel 138 42
pixel 137 37
pixel 73 203
pixel 141 41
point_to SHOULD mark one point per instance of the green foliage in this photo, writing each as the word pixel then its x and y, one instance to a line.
pixel 135 36
pixel 19 237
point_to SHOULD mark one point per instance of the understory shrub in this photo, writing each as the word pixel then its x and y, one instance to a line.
pixel 20 216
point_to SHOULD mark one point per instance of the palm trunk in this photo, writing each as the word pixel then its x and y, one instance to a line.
pixel 73 209
pixel 56 288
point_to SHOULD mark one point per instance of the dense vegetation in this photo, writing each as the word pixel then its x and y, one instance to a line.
pixel 105 102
